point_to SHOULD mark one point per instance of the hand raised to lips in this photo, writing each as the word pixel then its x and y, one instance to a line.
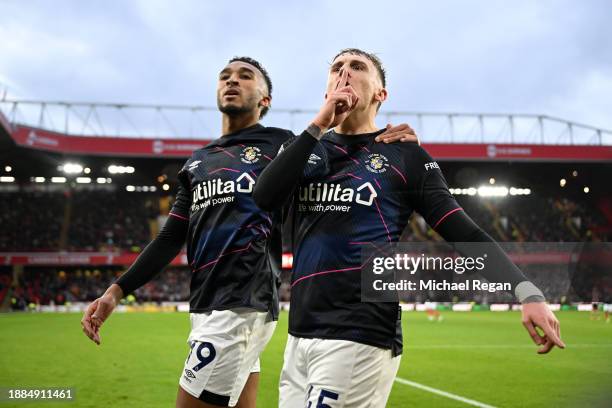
pixel 343 80
pixel 337 106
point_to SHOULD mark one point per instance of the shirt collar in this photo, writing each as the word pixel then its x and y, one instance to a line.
pixel 227 139
pixel 351 139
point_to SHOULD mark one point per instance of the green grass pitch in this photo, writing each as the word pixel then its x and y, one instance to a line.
pixel 484 356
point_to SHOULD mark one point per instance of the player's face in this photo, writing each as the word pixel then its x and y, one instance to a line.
pixel 241 89
pixel 362 76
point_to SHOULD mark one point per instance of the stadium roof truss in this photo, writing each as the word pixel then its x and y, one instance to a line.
pixel 200 122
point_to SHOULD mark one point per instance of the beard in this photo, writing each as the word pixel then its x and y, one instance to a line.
pixel 237 110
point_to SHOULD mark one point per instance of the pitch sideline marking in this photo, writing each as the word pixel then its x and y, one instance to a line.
pixel 496 346
pixel 443 393
pixel 458 397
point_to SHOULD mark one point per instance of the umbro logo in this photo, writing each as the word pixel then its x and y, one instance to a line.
pixel 189 373
pixel 313 159
pixel 193 165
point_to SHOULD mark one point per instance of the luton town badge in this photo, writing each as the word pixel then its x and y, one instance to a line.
pixel 250 154
pixel 377 163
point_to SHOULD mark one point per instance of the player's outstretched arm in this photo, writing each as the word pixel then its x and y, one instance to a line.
pixel 459 227
pixel 440 209
pixel 157 255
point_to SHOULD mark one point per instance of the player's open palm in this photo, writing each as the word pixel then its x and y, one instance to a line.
pixel 96 314
pixel 538 315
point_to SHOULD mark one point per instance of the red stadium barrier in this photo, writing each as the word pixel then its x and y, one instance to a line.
pixel 76 258
pixel 126 259
pixel 46 140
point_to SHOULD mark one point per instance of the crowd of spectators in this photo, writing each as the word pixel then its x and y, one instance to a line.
pixel 5 282
pixel 532 219
pixel 121 221
pixel 55 286
pixel 93 221
pixel 102 221
pixel 60 286
pixel 31 221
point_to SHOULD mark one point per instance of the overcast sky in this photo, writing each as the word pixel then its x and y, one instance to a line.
pixel 547 57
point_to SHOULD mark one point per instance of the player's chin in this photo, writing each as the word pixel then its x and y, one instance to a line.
pixel 231 103
pixel 230 107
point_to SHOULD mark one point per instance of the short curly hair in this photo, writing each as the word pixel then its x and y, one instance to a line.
pixel 265 74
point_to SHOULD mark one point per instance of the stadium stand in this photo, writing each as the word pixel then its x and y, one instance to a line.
pixel 105 221
pixel 31 221
pixel 60 286
pixel 5 282
pixel 94 221
pixel 116 219
pixel 121 222
pixel 533 219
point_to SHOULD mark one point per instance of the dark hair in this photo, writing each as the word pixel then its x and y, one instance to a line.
pixel 372 57
pixel 265 74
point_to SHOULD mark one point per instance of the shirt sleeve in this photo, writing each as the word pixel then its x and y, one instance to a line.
pixel 437 205
pixel 163 249
pixel 432 199
pixel 277 182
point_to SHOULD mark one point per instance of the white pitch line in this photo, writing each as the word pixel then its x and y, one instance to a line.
pixel 443 393
pixel 500 346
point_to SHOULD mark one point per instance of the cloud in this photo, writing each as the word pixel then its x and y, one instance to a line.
pixel 587 96
pixel 474 56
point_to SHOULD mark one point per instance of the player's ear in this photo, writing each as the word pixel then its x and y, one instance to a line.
pixel 265 102
pixel 381 95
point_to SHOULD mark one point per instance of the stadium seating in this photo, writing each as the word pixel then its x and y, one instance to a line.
pixel 528 219
pixel 60 286
pixel 31 221
pixel 103 221
pixel 77 221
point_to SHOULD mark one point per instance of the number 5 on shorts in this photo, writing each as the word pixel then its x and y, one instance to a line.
pixel 321 401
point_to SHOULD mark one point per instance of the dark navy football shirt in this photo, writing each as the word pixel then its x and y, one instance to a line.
pixel 355 192
pixel 228 245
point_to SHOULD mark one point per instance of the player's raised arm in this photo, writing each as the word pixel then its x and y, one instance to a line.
pixel 157 255
pixel 442 212
pixel 276 182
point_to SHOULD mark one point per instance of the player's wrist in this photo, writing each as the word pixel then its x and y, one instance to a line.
pixel 527 292
pixel 316 129
pixel 115 292
pixel 534 299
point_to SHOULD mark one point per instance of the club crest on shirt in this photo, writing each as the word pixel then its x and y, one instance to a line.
pixel 377 163
pixel 250 154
